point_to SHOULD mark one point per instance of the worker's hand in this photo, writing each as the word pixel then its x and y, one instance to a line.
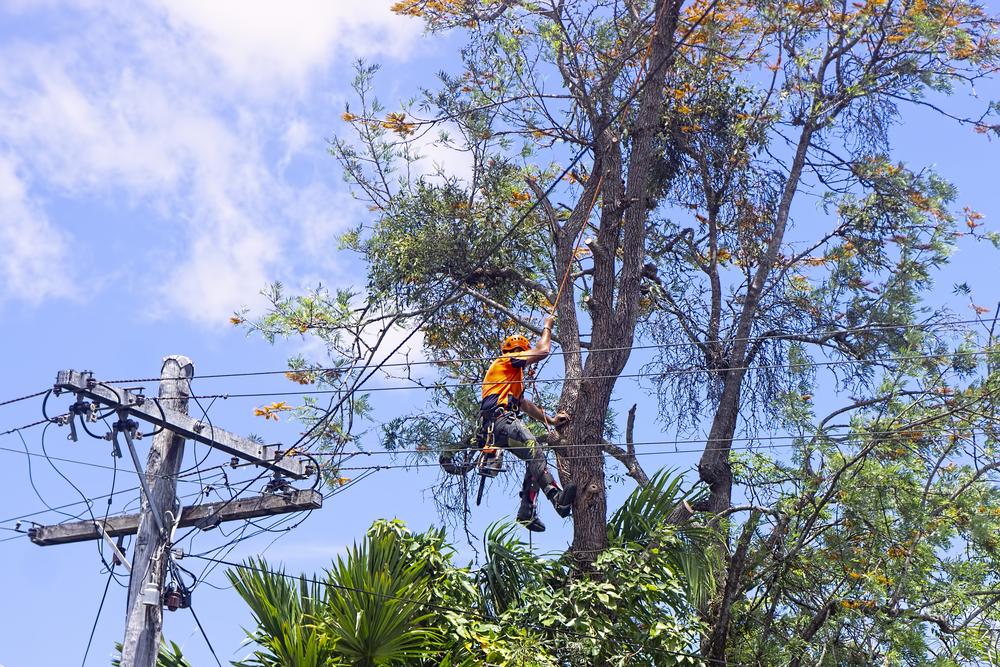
pixel 560 419
pixel 550 320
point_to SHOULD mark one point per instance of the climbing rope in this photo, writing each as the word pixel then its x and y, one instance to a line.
pixel 560 462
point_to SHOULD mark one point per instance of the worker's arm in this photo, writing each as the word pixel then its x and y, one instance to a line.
pixel 536 413
pixel 541 349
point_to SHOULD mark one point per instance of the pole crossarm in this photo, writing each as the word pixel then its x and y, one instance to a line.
pixel 267 456
pixel 227 510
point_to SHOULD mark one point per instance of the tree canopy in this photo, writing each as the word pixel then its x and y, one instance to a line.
pixel 398 598
pixel 716 179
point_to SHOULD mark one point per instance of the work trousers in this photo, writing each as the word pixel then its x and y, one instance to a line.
pixel 512 435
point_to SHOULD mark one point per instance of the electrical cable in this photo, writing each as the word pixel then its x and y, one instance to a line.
pixel 366 472
pixel 100 608
pixel 226 503
pixel 376 468
pixel 107 510
pixel 89 503
pixel 24 398
pixel 663 374
pixel 25 428
pixel 74 461
pixel 25 516
pixel 197 466
pixel 652 346
pixel 104 418
pixel 316 466
pixel 225 549
pixel 121 402
pixel 31 480
pixel 191 607
pixel 204 413
pixel 884 436
pixel 45 402
pixel 56 509
pixel 898 438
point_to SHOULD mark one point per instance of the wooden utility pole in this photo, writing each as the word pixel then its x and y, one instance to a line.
pixel 205 516
pixel 159 516
pixel 144 621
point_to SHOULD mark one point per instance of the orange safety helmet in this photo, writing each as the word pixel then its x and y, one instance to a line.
pixel 511 343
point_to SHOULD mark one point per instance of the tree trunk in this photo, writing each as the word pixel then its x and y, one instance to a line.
pixel 614 305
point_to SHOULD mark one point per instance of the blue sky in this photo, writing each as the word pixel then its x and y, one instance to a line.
pixel 160 162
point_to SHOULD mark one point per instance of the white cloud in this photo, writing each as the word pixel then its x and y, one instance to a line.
pixel 435 155
pixel 260 41
pixel 196 111
pixel 34 261
pixel 297 136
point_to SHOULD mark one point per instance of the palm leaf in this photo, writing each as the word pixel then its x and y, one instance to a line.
pixel 284 612
pixel 641 520
pixel 509 569
pixel 373 606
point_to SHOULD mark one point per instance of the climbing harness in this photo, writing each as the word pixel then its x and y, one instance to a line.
pixel 490 462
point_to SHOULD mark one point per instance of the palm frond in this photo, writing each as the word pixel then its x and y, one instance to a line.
pixel 374 605
pixel 688 549
pixel 509 569
pixel 284 611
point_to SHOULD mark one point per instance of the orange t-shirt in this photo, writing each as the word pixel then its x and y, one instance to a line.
pixel 504 379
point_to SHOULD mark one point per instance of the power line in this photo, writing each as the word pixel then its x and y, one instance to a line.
pixel 25 516
pixel 100 608
pixel 24 428
pixel 210 648
pixel 31 480
pixel 888 437
pixel 73 461
pixel 663 374
pixel 655 346
pixel 23 398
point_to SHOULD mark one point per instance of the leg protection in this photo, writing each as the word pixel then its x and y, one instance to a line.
pixel 526 514
pixel 510 433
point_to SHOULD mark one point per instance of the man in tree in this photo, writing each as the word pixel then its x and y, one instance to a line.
pixel 503 400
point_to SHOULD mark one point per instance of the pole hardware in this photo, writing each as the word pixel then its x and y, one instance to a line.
pixel 138 468
pixel 151 595
pixel 154 553
pixel 271 457
pixel 117 556
pixel 176 597
pixel 208 522
pixel 279 486
pixel 85 409
pixel 63 420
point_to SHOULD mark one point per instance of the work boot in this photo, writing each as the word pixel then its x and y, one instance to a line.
pixel 526 515
pixel 535 525
pixel 562 500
